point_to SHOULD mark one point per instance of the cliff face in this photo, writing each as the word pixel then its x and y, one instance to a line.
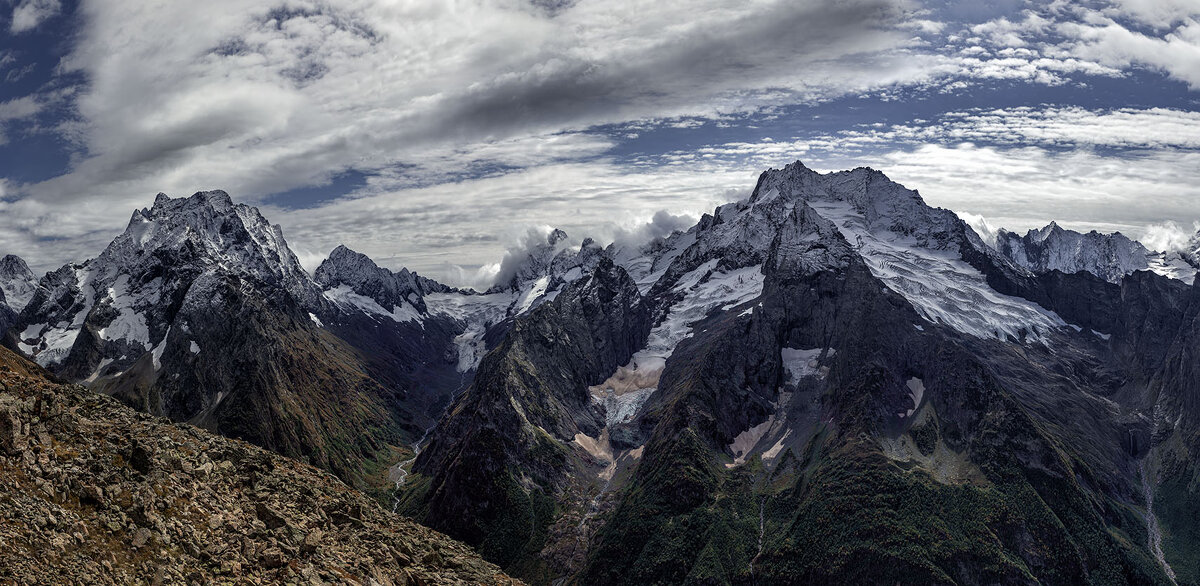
pixel 94 492
pixel 829 382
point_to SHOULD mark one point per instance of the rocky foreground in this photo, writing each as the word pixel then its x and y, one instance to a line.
pixel 92 492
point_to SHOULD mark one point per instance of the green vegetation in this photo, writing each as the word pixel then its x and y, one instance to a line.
pixel 850 515
pixel 925 436
pixel 1177 507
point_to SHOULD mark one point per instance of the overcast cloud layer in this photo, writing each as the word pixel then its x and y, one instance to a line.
pixel 433 134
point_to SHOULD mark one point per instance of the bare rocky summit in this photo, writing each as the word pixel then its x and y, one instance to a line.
pixel 93 492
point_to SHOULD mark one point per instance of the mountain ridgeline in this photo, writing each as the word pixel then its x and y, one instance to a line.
pixel 827 382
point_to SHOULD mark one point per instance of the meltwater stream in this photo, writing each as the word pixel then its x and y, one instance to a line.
pixel 397 473
pixel 1152 527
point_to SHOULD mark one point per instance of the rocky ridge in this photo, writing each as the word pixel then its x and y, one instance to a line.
pixel 17 282
pixel 200 312
pixel 828 361
pixel 361 276
pixel 1108 256
pixel 93 492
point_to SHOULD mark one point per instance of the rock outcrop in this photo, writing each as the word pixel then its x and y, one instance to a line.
pixel 94 492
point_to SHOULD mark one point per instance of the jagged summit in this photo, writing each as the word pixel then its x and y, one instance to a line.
pixel 1108 256
pixel 1041 234
pixel 17 282
pixel 926 254
pixel 130 292
pixel 551 260
pixel 881 202
pixel 209 229
pixel 347 271
pixel 200 312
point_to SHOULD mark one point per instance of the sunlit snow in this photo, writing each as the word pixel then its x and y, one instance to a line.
pixel 939 284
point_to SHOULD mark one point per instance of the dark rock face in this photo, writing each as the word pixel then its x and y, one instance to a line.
pixel 855 420
pixel 344 267
pixel 17 282
pixel 257 384
pixel 498 458
pixel 7 316
pixel 1108 256
pixel 833 495
pixel 200 312
pixel 109 496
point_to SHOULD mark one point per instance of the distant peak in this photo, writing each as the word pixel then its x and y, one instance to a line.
pixel 217 199
pixel 14 266
pixel 343 258
pixel 797 167
pixel 556 236
pixel 1040 234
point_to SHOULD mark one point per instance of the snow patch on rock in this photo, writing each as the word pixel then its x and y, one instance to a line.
pixel 471 347
pixel 773 453
pixel 939 284
pixel 703 290
pixel 916 392
pixel 343 296
pixel 799 363
pixel 744 443
pixel 17 282
pixel 623 407
pixel 158 350
pixel 130 324
pixel 95 375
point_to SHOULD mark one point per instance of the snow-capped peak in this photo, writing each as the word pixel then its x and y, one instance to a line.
pixel 537 271
pixel 1108 256
pixel 207 229
pixel 355 271
pixel 130 292
pixel 16 281
pixel 917 251
pixel 552 259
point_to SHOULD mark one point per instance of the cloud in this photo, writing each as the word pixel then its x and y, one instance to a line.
pixel 662 224
pixel 1169 236
pixel 518 254
pixel 1157 13
pixel 30 13
pixel 1046 125
pixel 263 100
pixel 1027 187
pixel 1111 44
pixel 15 110
pixel 470 121
pixel 269 97
pixel 479 278
pixel 425 229
pixel 982 227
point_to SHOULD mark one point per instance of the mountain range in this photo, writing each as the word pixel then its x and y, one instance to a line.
pixel 829 381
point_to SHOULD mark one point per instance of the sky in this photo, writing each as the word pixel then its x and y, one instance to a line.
pixel 435 134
